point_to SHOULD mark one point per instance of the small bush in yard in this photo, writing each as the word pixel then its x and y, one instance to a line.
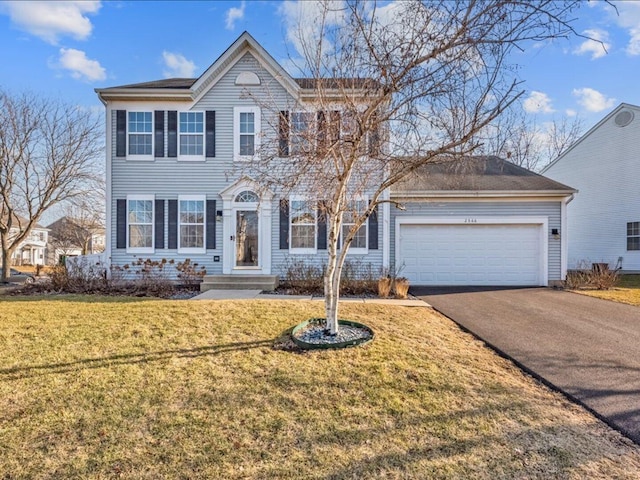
pixel 384 287
pixel 189 274
pixel 300 277
pixel 598 277
pixel 401 287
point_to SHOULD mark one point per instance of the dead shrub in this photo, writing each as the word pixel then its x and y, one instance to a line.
pixel 384 287
pixel 596 276
pixel 189 274
pixel 401 287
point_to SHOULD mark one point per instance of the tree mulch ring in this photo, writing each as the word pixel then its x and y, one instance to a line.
pixel 311 335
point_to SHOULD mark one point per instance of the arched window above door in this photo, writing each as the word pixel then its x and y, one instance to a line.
pixel 246 196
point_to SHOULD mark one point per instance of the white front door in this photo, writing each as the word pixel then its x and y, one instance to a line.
pixel 246 228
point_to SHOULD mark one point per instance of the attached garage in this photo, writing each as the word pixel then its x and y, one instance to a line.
pixel 472 251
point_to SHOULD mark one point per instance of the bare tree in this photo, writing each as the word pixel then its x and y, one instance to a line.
pixel 389 90
pixel 522 140
pixel 47 156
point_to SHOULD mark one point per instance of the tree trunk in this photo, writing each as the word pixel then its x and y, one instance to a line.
pixel 6 261
pixel 332 275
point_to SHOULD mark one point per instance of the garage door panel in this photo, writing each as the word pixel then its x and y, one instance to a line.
pixel 508 254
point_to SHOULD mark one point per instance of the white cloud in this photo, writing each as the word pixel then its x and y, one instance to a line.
pixel 627 15
pixel 303 23
pixel 538 102
pixel 50 20
pixel 233 15
pixel 570 112
pixel 592 100
pixel 597 45
pixel 177 65
pixel 80 66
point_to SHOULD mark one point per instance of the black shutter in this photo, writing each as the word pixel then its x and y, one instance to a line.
pixel 121 223
pixel 373 229
pixel 283 135
pixel 210 133
pixel 334 126
pixel 173 224
pixel 172 134
pixel 159 133
pixel 284 224
pixel 121 133
pixel 322 227
pixel 211 224
pixel 159 224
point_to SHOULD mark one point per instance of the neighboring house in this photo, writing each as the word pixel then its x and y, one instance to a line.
pixel 32 250
pixel 604 166
pixel 173 191
pixel 68 238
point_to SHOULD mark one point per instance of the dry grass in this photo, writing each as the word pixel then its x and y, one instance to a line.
pixel 106 388
pixel 627 291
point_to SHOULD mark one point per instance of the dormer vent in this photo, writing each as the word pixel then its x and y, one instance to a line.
pixel 623 118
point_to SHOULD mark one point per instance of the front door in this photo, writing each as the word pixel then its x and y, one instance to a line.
pixel 247 239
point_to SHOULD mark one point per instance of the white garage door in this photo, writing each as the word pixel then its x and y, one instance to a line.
pixel 471 254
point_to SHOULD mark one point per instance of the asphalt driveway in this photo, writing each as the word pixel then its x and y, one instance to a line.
pixel 586 347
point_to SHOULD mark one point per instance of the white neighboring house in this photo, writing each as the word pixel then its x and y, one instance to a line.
pixel 32 250
pixel 604 166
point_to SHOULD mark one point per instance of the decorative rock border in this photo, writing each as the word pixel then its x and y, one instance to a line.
pixel 309 335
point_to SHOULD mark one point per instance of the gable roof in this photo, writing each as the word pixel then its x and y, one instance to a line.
pixel 18 221
pixel 192 89
pixel 611 114
pixel 489 174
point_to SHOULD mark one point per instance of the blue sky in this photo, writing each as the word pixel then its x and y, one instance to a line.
pixel 69 48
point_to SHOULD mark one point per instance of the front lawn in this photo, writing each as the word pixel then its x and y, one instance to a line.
pixel 627 291
pixel 101 388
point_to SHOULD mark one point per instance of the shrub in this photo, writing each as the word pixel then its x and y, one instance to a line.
pixel 401 287
pixel 189 274
pixel 598 277
pixel 384 287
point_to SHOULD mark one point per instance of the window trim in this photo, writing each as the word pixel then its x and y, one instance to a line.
pixel 130 156
pixel 365 226
pixel 306 250
pixel 150 198
pixel 199 198
pixel 236 132
pixel 196 157
pixel 635 236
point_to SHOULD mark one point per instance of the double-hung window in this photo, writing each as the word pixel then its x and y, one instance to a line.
pixel 191 218
pixel 633 236
pixel 302 134
pixel 140 224
pixel 246 138
pixel 140 135
pixel 355 209
pixel 191 130
pixel 303 218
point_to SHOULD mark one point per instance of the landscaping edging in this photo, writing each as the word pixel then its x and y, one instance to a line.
pixel 368 335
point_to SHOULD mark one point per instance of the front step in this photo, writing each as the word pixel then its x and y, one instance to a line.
pixel 239 282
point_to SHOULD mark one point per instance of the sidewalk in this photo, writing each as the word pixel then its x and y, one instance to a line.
pixel 256 294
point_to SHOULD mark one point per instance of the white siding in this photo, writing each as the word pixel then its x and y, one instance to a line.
pixel 167 178
pixel 604 166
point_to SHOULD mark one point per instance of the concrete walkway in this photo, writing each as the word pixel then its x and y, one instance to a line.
pixel 256 294
pixel 585 347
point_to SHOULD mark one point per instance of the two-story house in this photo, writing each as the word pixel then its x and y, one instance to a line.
pixel 174 190
pixel 32 250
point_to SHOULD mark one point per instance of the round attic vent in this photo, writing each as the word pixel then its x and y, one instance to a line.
pixel 624 118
